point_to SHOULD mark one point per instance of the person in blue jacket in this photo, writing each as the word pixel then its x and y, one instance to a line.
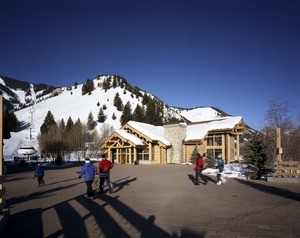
pixel 220 168
pixel 39 173
pixel 88 171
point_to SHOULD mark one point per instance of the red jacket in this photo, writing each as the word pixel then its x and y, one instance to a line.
pixel 199 164
pixel 105 165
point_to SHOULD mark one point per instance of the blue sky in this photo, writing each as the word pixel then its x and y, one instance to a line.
pixel 236 55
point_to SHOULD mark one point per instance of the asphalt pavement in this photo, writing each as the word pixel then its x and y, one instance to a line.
pixel 149 201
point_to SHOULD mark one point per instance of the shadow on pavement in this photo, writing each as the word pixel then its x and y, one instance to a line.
pixel 193 179
pixel 273 190
pixel 106 216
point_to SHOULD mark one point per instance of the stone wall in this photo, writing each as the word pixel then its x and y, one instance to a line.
pixel 175 134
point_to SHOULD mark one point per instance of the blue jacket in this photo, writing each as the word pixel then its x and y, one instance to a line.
pixel 88 170
pixel 39 171
pixel 220 165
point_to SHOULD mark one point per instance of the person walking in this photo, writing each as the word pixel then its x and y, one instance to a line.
pixel 39 173
pixel 199 168
pixel 220 168
pixel 88 170
pixel 104 173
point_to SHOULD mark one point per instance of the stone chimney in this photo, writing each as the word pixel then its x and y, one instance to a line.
pixel 175 134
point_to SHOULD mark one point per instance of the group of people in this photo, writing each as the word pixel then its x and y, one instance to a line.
pixel 89 171
pixel 200 167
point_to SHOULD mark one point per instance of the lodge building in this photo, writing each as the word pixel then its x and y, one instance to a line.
pixel 175 143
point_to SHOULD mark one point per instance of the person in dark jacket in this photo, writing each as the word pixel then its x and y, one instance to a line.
pixel 39 173
pixel 220 168
pixel 199 168
pixel 89 171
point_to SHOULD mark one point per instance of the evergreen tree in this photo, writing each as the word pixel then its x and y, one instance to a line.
pixel 70 125
pixel 106 84
pixel 84 89
pixel 194 155
pixel 101 117
pixel 127 115
pixel 48 122
pixel 139 114
pixel 151 113
pixel 145 99
pixel 210 161
pixel 256 157
pixel 91 122
pixel 118 102
pixel 114 84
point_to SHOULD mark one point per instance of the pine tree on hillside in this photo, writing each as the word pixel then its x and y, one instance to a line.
pixel 106 84
pixel 118 102
pixel 146 99
pixel 101 117
pixel 70 125
pixel 138 114
pixel 151 113
pixel 127 115
pixel 90 122
pixel 48 122
pixel 114 84
pixel 256 158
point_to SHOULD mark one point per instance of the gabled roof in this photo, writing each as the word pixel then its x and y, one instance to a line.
pixel 134 139
pixel 155 133
pixel 195 131
pixel 199 130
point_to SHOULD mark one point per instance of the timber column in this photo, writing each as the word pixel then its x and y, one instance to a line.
pixel 279 148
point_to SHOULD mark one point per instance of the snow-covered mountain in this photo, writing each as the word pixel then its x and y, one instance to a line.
pixel 70 102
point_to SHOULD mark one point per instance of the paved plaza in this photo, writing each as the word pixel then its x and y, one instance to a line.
pixel 150 201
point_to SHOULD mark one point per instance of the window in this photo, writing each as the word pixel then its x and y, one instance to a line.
pixel 213 153
pixel 214 140
pixel 143 154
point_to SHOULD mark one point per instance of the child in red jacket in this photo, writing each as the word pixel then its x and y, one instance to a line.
pixel 198 169
pixel 104 168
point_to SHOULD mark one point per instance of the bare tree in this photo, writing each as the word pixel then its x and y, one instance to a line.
pixel 277 116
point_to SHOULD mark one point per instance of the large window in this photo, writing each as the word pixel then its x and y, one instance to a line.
pixel 143 154
pixel 214 140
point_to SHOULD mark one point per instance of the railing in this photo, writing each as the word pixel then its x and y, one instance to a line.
pixel 287 169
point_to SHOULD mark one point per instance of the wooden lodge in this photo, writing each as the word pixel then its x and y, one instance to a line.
pixel 143 143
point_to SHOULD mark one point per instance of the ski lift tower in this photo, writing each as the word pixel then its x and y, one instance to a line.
pixel 31 115
pixel 32 112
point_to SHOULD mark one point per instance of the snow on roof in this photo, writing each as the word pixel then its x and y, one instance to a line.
pixel 194 132
pixel 134 139
pixel 198 131
pixel 153 132
pixel 200 114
